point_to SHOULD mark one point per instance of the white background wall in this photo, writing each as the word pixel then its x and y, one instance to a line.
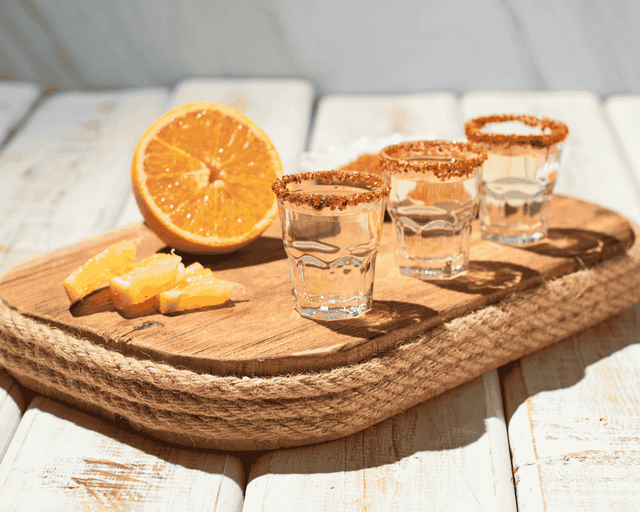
pixel 340 45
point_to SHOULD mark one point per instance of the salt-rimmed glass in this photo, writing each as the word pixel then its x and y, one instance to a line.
pixel 433 202
pixel 519 175
pixel 331 225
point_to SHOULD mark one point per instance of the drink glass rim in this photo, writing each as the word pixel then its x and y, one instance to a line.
pixel 557 131
pixel 445 159
pixel 378 188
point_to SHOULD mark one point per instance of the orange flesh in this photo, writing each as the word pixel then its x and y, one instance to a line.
pixel 152 276
pixel 197 290
pixel 115 260
pixel 203 176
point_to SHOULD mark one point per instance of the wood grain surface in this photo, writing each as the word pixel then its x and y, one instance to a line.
pixel 261 334
pixel 63 459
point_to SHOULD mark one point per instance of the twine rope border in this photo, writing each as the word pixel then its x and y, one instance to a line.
pixel 235 413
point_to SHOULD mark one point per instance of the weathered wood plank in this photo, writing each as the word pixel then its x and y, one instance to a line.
pixel 15 100
pixel 12 405
pixel 66 172
pixel 623 113
pixel 449 453
pixel 572 408
pixel 574 426
pixel 591 166
pixel 63 459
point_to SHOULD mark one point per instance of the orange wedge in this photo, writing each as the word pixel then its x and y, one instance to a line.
pixel 202 176
pixel 110 263
pixel 199 289
pixel 148 278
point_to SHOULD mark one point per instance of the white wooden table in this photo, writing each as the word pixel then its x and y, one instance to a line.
pixel 557 430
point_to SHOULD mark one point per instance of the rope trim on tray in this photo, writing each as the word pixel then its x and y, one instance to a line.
pixel 235 413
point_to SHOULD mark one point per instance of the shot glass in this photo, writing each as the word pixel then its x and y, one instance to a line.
pixel 519 174
pixel 331 225
pixel 433 202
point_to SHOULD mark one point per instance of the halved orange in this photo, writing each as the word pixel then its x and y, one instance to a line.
pixel 113 261
pixel 151 276
pixel 199 288
pixel 202 177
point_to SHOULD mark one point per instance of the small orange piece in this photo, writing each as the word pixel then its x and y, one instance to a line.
pixel 111 262
pixel 148 278
pixel 199 289
pixel 367 162
pixel 202 176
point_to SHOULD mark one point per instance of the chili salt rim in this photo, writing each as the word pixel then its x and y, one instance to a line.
pixel 558 133
pixel 450 159
pixel 379 189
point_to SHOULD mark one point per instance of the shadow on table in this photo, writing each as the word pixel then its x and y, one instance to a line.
pixel 124 464
pixel 448 421
pixel 563 365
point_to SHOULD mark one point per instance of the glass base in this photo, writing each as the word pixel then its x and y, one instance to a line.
pixel 333 308
pixel 511 236
pixel 433 268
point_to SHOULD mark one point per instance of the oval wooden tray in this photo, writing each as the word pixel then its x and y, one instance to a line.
pixel 262 335
pixel 193 378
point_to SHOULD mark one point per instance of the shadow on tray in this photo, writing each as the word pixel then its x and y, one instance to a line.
pixel 488 277
pixel 100 302
pixel 591 247
pixel 262 250
pixel 385 316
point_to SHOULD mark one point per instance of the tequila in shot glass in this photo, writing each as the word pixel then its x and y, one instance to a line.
pixel 433 202
pixel 519 174
pixel 331 225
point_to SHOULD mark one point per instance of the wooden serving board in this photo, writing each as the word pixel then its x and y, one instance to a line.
pixel 261 334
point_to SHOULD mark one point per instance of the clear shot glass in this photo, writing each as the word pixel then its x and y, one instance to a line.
pixel 331 225
pixel 433 202
pixel 519 174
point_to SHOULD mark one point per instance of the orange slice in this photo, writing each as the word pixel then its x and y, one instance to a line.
pixel 199 289
pixel 150 277
pixel 202 176
pixel 115 260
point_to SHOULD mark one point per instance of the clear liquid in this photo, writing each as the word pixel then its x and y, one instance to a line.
pixel 332 256
pixel 516 193
pixel 433 223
